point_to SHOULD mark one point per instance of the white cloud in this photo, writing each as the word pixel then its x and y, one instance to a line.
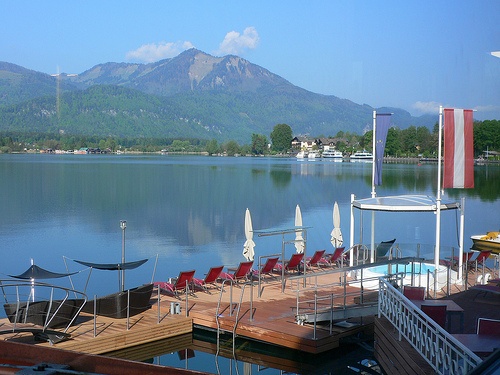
pixel 487 108
pixel 482 111
pixel 426 107
pixel 153 52
pixel 235 43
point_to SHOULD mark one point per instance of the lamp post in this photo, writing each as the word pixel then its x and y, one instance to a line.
pixel 123 225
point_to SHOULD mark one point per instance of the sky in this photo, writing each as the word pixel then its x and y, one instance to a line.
pixel 415 55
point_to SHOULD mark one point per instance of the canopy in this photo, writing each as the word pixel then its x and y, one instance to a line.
pixel 39 273
pixel 113 266
pixel 408 203
pixel 403 203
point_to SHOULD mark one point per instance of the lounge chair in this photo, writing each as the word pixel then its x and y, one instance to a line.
pixel 266 269
pixel 453 262
pixel 240 273
pixel 293 264
pixel 414 292
pixel 383 248
pixel 479 260
pixel 181 284
pixel 210 279
pixel 487 326
pixel 338 257
pixel 315 260
pixel 436 313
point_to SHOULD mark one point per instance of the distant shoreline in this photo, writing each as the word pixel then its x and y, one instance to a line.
pixel 387 159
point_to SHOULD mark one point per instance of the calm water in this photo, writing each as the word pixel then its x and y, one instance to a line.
pixel 190 209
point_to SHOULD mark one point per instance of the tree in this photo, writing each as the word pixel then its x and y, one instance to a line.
pixel 367 140
pixel 393 142
pixel 232 148
pixel 212 147
pixel 281 138
pixel 259 144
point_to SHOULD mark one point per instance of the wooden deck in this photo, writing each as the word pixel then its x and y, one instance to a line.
pixel 271 320
pixel 112 334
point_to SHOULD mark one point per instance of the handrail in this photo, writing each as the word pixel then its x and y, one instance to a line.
pixel 343 282
pixel 217 311
pixel 238 309
pixel 444 353
pixel 55 302
pixel 236 319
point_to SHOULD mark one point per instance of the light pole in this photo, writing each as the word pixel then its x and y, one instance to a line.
pixel 123 225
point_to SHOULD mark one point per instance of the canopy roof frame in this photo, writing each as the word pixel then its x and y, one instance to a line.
pixel 407 203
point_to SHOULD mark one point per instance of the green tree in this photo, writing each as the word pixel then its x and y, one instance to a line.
pixel 393 142
pixel 179 146
pixel 259 144
pixel 212 147
pixel 486 136
pixel 281 137
pixel 232 148
pixel 366 140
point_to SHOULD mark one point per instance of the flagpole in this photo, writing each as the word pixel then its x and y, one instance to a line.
pixel 374 194
pixel 438 201
pixel 461 239
pixel 351 234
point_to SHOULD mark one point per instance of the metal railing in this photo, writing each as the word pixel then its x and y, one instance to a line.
pixel 51 307
pixel 444 353
pixel 231 308
pixel 339 302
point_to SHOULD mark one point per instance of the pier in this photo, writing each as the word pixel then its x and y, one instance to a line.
pixel 270 311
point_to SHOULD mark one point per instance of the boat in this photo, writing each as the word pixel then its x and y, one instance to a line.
pixel 362 155
pixel 124 303
pixel 487 242
pixel 312 155
pixel 334 154
pixel 301 155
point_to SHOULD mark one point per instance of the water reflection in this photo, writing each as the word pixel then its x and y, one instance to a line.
pixel 190 210
pixel 250 357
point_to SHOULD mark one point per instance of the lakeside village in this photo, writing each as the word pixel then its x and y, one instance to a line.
pixel 301 148
pixel 413 143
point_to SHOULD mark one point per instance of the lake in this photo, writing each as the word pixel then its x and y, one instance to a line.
pixel 189 210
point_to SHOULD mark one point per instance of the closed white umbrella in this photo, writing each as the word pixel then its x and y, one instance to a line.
pixel 336 234
pixel 248 251
pixel 299 240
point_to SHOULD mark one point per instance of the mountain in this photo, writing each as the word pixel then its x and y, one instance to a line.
pixel 191 95
pixel 18 84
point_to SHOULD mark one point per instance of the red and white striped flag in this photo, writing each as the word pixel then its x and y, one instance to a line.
pixel 458 149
